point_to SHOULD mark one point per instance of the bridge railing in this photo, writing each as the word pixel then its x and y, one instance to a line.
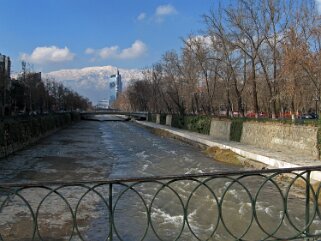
pixel 276 204
pixel 115 112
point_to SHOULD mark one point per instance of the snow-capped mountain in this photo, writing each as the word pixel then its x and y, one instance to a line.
pixel 92 82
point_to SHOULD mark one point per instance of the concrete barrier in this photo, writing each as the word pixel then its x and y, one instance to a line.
pixel 220 129
pixel 169 120
pixel 157 118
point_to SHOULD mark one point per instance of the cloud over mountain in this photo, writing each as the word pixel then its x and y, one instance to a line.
pixel 92 82
pixel 136 50
pixel 51 54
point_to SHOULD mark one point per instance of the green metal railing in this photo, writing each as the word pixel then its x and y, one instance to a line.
pixel 276 204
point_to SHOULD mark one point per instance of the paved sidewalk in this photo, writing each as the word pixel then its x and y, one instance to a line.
pixel 272 158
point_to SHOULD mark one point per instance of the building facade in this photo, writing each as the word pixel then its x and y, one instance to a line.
pixel 5 84
pixel 115 87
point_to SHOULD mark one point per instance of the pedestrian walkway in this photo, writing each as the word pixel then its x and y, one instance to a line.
pixel 271 158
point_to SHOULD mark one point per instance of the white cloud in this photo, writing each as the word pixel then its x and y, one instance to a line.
pixel 89 51
pixel 136 50
pixel 108 52
pixel 52 54
pixel 196 41
pixel 318 3
pixel 206 40
pixel 141 16
pixel 164 10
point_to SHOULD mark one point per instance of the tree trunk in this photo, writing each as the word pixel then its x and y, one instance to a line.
pixel 273 109
pixel 254 91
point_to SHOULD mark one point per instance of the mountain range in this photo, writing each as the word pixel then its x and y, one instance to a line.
pixel 92 82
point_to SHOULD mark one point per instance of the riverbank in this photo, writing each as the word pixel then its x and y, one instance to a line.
pixel 18 133
pixel 247 155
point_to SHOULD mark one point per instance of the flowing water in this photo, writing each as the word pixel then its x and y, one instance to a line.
pixel 116 149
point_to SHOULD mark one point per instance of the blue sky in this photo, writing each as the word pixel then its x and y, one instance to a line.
pixel 59 34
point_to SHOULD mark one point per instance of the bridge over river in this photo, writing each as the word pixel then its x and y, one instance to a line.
pixel 110 114
pixel 116 180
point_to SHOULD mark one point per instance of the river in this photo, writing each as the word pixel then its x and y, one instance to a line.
pixel 98 150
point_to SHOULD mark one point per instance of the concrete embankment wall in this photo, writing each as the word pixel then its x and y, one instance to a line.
pixel 275 136
pixel 18 133
pixel 303 139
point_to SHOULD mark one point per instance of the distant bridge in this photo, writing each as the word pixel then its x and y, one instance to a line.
pixel 136 115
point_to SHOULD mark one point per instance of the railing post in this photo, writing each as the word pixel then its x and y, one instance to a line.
pixel 307 203
pixel 111 211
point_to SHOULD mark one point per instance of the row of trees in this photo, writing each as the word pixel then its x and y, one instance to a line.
pixel 252 56
pixel 31 94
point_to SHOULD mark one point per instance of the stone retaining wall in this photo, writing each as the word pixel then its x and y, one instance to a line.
pixel 281 137
pixel 301 139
